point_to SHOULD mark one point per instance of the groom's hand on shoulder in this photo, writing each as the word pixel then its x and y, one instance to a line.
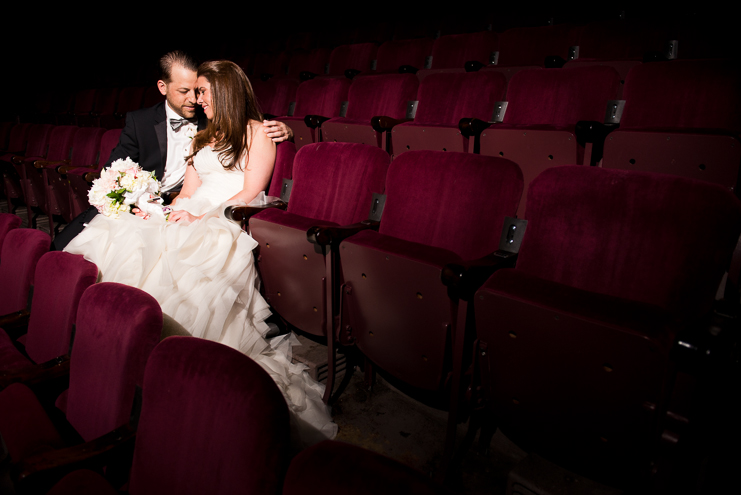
pixel 277 131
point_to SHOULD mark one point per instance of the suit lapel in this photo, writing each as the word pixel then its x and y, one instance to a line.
pixel 160 129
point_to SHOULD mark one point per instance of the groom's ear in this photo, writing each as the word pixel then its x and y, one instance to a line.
pixel 162 86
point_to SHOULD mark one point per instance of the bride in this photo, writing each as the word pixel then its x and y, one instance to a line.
pixel 199 265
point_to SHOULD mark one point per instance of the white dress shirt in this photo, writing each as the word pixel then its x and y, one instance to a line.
pixel 178 147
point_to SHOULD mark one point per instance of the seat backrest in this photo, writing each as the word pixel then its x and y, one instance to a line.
pixel 38 140
pixel 130 99
pixel 212 421
pixel 22 250
pixel 560 97
pixel 455 201
pixel 531 45
pixel 84 101
pixel 314 61
pixel 275 95
pixel 321 96
pixel 60 280
pixel 683 94
pixel 19 137
pixel 454 50
pixel 335 182
pixel 105 101
pixel 381 94
pixel 86 146
pixel 651 238
pixel 413 52
pixel 117 328
pixel 60 142
pixel 357 57
pixel 446 98
pixel 8 222
pixel 285 153
pixel 107 143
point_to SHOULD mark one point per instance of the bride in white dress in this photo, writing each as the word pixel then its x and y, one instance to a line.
pixel 199 265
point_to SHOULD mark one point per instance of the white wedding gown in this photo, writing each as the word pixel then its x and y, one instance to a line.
pixel 204 277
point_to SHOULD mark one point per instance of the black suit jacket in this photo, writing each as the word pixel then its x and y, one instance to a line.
pixel 144 139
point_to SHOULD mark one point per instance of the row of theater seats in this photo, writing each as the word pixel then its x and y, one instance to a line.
pixel 97 107
pixel 678 117
pixel 580 336
pixel 45 168
pixel 521 46
pixel 89 380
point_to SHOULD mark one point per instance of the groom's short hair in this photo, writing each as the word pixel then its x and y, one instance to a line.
pixel 176 57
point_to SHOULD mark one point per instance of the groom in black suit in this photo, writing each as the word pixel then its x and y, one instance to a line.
pixel 157 138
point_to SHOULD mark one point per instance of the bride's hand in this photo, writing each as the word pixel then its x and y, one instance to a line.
pixel 139 213
pixel 178 216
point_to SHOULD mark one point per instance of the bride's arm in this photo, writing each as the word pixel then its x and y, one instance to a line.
pixel 191 182
pixel 259 166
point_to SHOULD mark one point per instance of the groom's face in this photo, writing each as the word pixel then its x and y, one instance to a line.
pixel 180 91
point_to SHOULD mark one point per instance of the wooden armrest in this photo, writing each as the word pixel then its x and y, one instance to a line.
pixel 314 121
pixel 49 164
pixel 383 123
pixel 325 236
pixel 17 159
pixel 15 319
pixel 49 370
pixel 472 127
pixel 38 473
pixel 242 214
pixel 91 176
pixel 463 279
pixel 66 168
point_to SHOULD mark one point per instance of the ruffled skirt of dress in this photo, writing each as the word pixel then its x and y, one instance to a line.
pixel 204 277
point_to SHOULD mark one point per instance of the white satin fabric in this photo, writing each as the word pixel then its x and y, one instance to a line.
pixel 204 277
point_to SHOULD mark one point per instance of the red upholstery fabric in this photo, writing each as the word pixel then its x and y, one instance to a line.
pixel 394 54
pixel 531 45
pixel 24 425
pixel 117 328
pixel 275 95
pixel 380 95
pixel 22 249
pixel 560 97
pixel 445 98
pixel 357 57
pixel 212 421
pixel 454 50
pixel 435 198
pixel 335 467
pixel 8 222
pixel 609 246
pixel 683 94
pixel 285 154
pixel 321 96
pixel 38 140
pixel 340 194
pixel 314 61
pixel 60 280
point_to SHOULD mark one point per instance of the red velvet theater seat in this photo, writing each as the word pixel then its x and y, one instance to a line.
pixel 682 118
pixel 577 342
pixel 356 57
pixel 212 421
pixel 368 97
pixel 411 54
pixel 117 328
pixel 322 96
pixel 440 208
pixel 444 99
pixel 544 105
pixel 8 222
pixel 22 250
pixel 59 282
pixel 333 184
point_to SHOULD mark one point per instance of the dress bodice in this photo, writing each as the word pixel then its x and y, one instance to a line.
pixel 217 183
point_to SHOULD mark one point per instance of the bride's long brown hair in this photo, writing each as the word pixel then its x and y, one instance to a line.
pixel 233 104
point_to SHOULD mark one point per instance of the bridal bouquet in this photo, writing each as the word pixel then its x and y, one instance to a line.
pixel 123 185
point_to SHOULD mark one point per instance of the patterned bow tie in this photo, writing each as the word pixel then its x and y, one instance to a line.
pixel 176 124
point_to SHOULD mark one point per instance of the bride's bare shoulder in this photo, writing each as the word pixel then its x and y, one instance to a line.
pixel 256 135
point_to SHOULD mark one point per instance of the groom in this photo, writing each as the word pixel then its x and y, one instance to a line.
pixel 158 138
